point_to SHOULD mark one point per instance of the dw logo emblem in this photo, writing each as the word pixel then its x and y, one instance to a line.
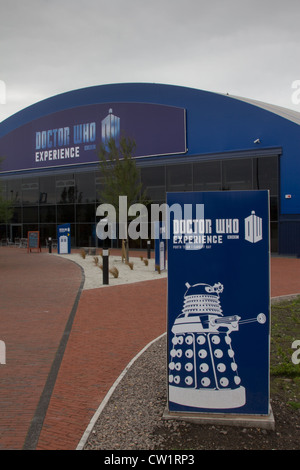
pixel 110 129
pixel 253 228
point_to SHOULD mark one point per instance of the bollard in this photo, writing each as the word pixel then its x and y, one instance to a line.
pixel 148 249
pixel 105 266
pixel 50 244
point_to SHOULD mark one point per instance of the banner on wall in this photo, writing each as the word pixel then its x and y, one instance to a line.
pixel 73 136
pixel 219 302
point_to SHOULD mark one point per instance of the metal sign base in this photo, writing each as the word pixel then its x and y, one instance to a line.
pixel 224 419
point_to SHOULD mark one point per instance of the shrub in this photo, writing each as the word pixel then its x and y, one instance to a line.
pixel 114 271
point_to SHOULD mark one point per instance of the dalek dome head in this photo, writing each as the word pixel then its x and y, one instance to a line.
pixel 202 299
pixel 204 289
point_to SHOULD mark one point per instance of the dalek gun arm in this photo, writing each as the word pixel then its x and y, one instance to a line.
pixel 230 322
pixel 260 318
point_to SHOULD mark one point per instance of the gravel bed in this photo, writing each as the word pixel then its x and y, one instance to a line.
pixel 136 407
pixel 133 417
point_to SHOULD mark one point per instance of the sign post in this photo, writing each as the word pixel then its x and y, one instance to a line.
pixel 103 235
pixel 219 307
pixel 160 246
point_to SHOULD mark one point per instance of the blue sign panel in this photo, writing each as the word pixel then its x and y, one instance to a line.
pixel 218 302
pixel 64 239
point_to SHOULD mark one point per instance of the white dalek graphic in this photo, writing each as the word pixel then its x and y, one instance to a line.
pixel 203 372
pixel 110 128
pixel 253 228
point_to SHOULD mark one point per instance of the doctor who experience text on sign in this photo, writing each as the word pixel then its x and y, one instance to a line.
pixel 219 302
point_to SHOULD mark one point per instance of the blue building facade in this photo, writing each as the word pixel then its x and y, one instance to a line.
pixel 186 140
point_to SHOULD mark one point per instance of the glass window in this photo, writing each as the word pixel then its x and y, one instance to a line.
pixel 48 214
pixel 3 189
pixel 47 190
pixel 30 228
pixel 237 174
pixel 85 187
pixel 46 231
pixel 3 232
pixel 153 181
pixel 207 176
pixel 17 215
pixel 99 185
pixel 85 213
pixel 14 191
pixel 30 214
pixel 30 191
pixel 266 174
pixel 65 189
pixel 65 214
pixel 273 208
pixel 179 177
pixel 85 235
pixel 274 237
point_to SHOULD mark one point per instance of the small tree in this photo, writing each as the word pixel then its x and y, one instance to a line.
pixel 6 211
pixel 121 175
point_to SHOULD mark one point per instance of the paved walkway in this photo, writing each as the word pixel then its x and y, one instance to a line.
pixel 37 295
pixel 65 347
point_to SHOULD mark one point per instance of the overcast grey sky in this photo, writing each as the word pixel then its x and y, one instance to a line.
pixel 244 48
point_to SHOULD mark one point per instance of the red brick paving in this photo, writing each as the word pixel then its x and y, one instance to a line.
pixel 111 326
pixel 285 276
pixel 37 293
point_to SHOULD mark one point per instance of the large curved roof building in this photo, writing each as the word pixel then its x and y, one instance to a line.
pixel 186 140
